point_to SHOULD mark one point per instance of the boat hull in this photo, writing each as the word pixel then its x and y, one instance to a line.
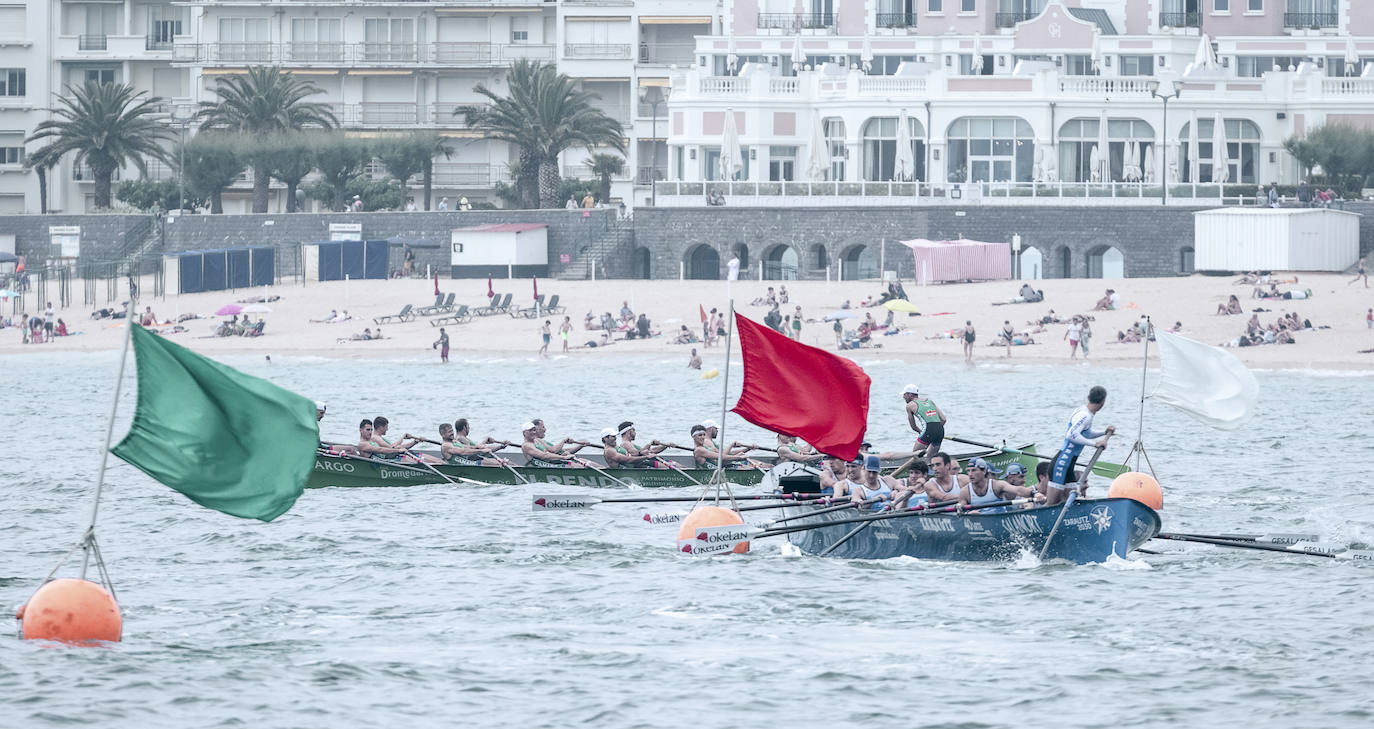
pixel 1092 531
pixel 339 471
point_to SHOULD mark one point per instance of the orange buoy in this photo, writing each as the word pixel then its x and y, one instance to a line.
pixel 1139 486
pixel 709 516
pixel 71 611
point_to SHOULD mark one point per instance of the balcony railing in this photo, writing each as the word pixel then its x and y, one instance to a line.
pixel 724 85
pixel 679 53
pixel 1348 86
pixel 328 52
pixel 1180 20
pixel 336 52
pixel 796 21
pixel 256 51
pixel 597 50
pixel 891 85
pixel 1311 20
pixel 1009 20
pixel 1093 85
pixel 896 20
pixel 389 52
pixel 646 175
pixel 442 114
pixel 469 174
pixel 157 43
pixel 91 42
pixel 82 173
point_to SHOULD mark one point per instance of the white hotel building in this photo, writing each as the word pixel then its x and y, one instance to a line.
pixel 1002 91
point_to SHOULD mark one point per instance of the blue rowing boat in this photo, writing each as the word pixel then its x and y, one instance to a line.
pixel 1092 531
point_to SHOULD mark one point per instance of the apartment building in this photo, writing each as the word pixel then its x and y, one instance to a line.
pixel 384 66
pixel 1013 98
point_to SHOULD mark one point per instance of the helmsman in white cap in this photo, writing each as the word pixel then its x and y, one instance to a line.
pixel 926 418
pixel 617 456
pixel 540 452
pixel 319 410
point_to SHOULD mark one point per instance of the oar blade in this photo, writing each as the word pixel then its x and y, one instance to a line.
pixel 668 518
pixel 713 540
pixel 563 502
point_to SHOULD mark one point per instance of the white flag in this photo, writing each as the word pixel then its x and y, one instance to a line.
pixel 734 269
pixel 1204 381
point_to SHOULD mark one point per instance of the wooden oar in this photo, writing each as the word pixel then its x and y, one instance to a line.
pixel 1073 496
pixel 1261 538
pixel 445 476
pixel 507 466
pixel 588 464
pixel 583 501
pixel 1108 470
pixel 1354 555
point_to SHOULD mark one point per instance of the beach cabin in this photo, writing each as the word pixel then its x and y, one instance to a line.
pixel 505 249
pixel 192 272
pixel 946 261
pixel 345 259
pixel 1275 239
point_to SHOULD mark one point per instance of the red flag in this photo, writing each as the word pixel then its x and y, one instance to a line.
pixel 490 291
pixel 436 283
pixel 703 313
pixel 795 389
pixel 535 279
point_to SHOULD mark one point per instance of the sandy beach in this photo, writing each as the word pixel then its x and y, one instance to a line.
pixel 1191 300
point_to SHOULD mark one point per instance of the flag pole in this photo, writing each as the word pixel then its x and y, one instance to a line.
pixel 725 394
pixel 1138 449
pixel 88 537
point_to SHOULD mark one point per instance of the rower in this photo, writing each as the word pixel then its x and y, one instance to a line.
pixel 459 450
pixel 704 451
pixel 371 448
pixel 832 471
pixel 1015 475
pixel 713 432
pixel 627 433
pixel 617 456
pixel 912 494
pixel 947 484
pixel 789 450
pixel 380 425
pixel 539 452
pixel 853 478
pixel 1079 433
pixel 461 430
pixel 874 487
pixel 319 410
pixel 926 418
pixel 984 490
pixel 1042 481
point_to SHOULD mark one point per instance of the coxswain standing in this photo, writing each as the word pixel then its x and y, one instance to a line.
pixel 926 418
pixel 1079 433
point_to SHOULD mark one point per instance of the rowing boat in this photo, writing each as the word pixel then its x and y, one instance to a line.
pixel 1092 531
pixel 353 471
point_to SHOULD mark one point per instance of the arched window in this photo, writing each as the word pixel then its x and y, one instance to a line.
pixel 1032 264
pixel 1106 262
pixel 834 139
pixel 989 149
pixel 703 263
pixel 780 263
pixel 880 149
pixel 855 265
pixel 1078 137
pixel 1242 151
pixel 820 259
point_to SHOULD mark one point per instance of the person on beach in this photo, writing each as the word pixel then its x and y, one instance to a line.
pixel 1369 319
pixel 564 330
pixel 1008 333
pixel 1360 273
pixel 1085 333
pixel 969 337
pixel 1074 332
pixel 695 362
pixel 1231 307
pixel 546 333
pixel 1079 433
pixel 442 345
pixel 926 418
pixel 839 334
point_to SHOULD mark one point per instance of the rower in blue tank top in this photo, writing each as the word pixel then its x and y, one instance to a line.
pixel 874 487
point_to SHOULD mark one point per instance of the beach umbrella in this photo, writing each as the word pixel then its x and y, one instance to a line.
pixel 535 280
pixel 798 55
pixel 1352 57
pixel 818 159
pixel 256 309
pixel 1194 167
pixel 1221 163
pixel 904 166
pixel 730 153
pixel 436 283
pixel 490 291
pixel 1205 58
pixel 1094 159
pixel 900 305
pixel 1104 149
pixel 838 315
pixel 866 54
pixel 1151 157
pixel 229 310
pixel 977 53
pixel 8 257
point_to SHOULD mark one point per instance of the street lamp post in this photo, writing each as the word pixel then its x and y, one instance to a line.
pixel 655 96
pixel 182 122
pixel 1163 176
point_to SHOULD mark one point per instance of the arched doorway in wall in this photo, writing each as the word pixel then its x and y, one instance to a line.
pixel 741 251
pixel 1106 262
pixel 1065 262
pixel 819 257
pixel 852 265
pixel 780 263
pixel 640 262
pixel 703 263
pixel 1032 265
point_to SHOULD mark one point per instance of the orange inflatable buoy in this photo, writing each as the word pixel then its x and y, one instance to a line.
pixel 71 611
pixel 1139 486
pixel 709 516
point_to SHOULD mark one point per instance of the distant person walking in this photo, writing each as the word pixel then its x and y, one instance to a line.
pixel 565 330
pixel 695 362
pixel 442 345
pixel 1360 273
pixel 970 336
pixel 546 332
pixel 1073 334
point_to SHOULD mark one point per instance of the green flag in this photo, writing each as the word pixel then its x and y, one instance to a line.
pixel 228 441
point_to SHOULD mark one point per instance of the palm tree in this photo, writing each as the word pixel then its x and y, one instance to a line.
pixel 264 101
pixel 543 115
pixel 605 166
pixel 108 126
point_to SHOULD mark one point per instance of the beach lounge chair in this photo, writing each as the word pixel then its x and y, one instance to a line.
pixel 505 306
pixel 529 312
pixel 462 316
pixel 405 315
pixel 552 307
pixel 490 308
pixel 255 330
pixel 441 306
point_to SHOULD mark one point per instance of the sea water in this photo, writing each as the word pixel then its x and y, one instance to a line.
pixel 443 606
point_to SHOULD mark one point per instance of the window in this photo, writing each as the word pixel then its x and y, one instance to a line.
pixel 1078 138
pixel 1242 151
pixel 100 75
pixel 1079 65
pixel 1257 66
pixel 12 81
pixel 1136 66
pixel 710 157
pixel 11 155
pixel 389 39
pixel 1255 6
pixel 968 6
pixel 316 39
pixel 782 163
pixel 880 150
pixel 1221 6
pixel 887 65
pixel 519 30
pixel 979 65
pixel 244 39
pixel 169 83
pixel 936 6
pixel 996 149
pixel 834 140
